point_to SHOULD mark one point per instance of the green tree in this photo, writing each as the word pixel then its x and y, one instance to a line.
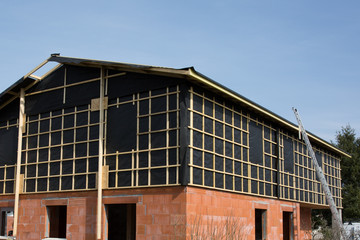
pixel 350 172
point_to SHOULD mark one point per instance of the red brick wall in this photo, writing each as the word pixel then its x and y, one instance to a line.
pixel 81 214
pixel 161 213
pixel 207 204
pixel 305 223
pixel 158 210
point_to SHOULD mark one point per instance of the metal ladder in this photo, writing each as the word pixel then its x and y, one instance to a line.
pixel 320 175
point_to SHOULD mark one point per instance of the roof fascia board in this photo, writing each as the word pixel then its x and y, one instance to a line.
pixel 15 94
pixel 146 69
pixel 36 68
pixel 28 75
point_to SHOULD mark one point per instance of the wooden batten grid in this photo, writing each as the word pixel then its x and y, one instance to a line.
pixel 74 128
pixel 295 186
pixel 135 168
pixel 304 175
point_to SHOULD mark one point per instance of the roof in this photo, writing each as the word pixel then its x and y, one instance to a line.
pixel 189 73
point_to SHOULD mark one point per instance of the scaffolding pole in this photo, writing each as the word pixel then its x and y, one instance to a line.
pixel 320 175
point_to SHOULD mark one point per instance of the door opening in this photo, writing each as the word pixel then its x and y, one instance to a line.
pixel 260 224
pixel 6 222
pixel 121 221
pixel 288 226
pixel 56 221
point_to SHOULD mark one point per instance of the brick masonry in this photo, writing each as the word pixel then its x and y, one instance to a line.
pixel 216 204
pixel 161 213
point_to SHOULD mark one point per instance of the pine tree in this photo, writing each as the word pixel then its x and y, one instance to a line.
pixel 350 172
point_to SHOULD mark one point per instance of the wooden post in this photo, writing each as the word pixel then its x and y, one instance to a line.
pixel 18 163
pixel 100 159
pixel 278 176
pixel 105 176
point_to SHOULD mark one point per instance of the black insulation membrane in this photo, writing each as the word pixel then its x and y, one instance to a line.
pixel 122 137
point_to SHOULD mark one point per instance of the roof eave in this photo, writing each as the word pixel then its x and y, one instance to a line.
pixel 180 73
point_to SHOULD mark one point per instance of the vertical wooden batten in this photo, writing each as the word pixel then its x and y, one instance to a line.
pixel 100 159
pixel 278 162
pixel 21 128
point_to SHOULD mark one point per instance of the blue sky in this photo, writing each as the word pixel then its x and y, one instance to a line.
pixel 277 53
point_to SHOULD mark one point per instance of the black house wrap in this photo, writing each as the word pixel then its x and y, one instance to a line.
pixel 162 127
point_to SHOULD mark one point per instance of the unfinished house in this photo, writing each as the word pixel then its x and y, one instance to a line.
pixel 106 150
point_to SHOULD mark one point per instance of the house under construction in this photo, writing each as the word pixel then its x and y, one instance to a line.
pixel 106 150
